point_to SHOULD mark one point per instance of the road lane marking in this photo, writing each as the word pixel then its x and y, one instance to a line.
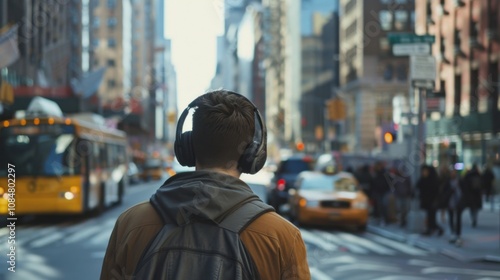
pixel 467 271
pixel 417 262
pixel 309 237
pixel 317 274
pixel 368 267
pixel 366 243
pixel 335 239
pixel 46 240
pixel 101 238
pixel 337 260
pixel 398 246
pixel 399 277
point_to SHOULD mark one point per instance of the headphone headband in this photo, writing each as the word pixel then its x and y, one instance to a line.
pixel 252 159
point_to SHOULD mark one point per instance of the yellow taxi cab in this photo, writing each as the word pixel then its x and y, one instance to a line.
pixel 328 198
pixel 152 169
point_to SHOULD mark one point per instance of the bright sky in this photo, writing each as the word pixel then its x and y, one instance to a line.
pixel 193 26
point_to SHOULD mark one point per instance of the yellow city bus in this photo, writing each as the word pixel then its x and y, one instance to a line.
pixel 60 166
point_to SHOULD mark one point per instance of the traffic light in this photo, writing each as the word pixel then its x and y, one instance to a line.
pixel 336 109
pixel 389 137
pixel 300 146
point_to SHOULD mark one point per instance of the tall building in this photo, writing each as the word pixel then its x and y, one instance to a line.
pixel 282 70
pixel 110 38
pixel 467 51
pixel 49 44
pixel 319 77
pixel 250 54
pixel 370 76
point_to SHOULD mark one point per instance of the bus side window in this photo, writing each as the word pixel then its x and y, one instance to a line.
pixel 104 155
pixel 97 156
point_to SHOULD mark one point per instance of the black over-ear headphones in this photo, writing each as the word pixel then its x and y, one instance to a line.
pixel 253 157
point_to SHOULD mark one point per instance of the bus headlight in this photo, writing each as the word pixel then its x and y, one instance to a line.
pixel 5 196
pixel 1 190
pixel 69 195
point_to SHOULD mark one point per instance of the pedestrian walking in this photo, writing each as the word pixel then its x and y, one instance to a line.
pixel 208 224
pixel 473 193
pixel 404 194
pixel 428 187
pixel 454 190
pixel 487 180
pixel 380 193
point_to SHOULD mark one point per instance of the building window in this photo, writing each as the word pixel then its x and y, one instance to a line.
pixel 351 29
pixel 429 12
pixel 474 87
pixel 384 44
pixel 442 49
pixel 111 83
pixel 112 4
pixel 96 23
pixel 111 42
pixel 386 1
pixel 401 20
pixel 112 22
pixel 349 6
pixel 95 43
pixel 412 20
pixel 388 72
pixel 401 72
pixel 493 87
pixel 457 42
pixel 385 20
pixel 474 34
pixel 458 93
pixel 111 62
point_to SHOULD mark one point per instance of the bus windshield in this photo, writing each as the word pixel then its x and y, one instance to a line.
pixel 37 152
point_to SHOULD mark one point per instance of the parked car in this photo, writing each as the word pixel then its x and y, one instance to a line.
pixel 133 173
pixel 328 199
pixel 285 176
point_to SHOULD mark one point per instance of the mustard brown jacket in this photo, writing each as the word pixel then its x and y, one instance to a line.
pixel 276 246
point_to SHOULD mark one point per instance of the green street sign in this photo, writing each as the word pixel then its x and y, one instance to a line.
pixel 409 38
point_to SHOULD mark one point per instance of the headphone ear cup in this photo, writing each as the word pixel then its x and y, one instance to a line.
pixel 247 158
pixel 184 150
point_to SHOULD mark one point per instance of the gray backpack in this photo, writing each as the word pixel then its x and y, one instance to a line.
pixel 202 249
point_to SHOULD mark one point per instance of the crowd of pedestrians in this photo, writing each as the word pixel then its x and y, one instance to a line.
pixel 447 192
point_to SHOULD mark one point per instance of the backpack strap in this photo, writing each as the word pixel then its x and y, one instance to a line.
pixel 245 215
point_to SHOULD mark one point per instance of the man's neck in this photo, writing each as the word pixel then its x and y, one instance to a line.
pixel 231 172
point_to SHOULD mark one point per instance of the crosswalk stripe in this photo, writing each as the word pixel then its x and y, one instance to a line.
pixel 315 240
pixel 366 243
pixel 398 246
pixel 101 238
pixel 317 274
pixel 4 232
pixel 82 234
pixel 46 240
pixel 335 239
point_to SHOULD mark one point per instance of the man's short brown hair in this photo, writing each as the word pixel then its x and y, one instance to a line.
pixel 223 126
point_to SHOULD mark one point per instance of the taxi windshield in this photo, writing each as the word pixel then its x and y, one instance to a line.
pixel 318 183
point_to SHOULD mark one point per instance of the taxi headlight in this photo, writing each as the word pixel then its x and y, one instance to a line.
pixel 360 205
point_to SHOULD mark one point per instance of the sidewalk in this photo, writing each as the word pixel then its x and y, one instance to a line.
pixel 479 244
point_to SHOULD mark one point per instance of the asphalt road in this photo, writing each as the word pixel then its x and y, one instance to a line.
pixel 50 248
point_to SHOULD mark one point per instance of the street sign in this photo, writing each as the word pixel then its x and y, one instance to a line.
pixel 423 67
pixel 410 38
pixel 411 49
pixel 423 84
